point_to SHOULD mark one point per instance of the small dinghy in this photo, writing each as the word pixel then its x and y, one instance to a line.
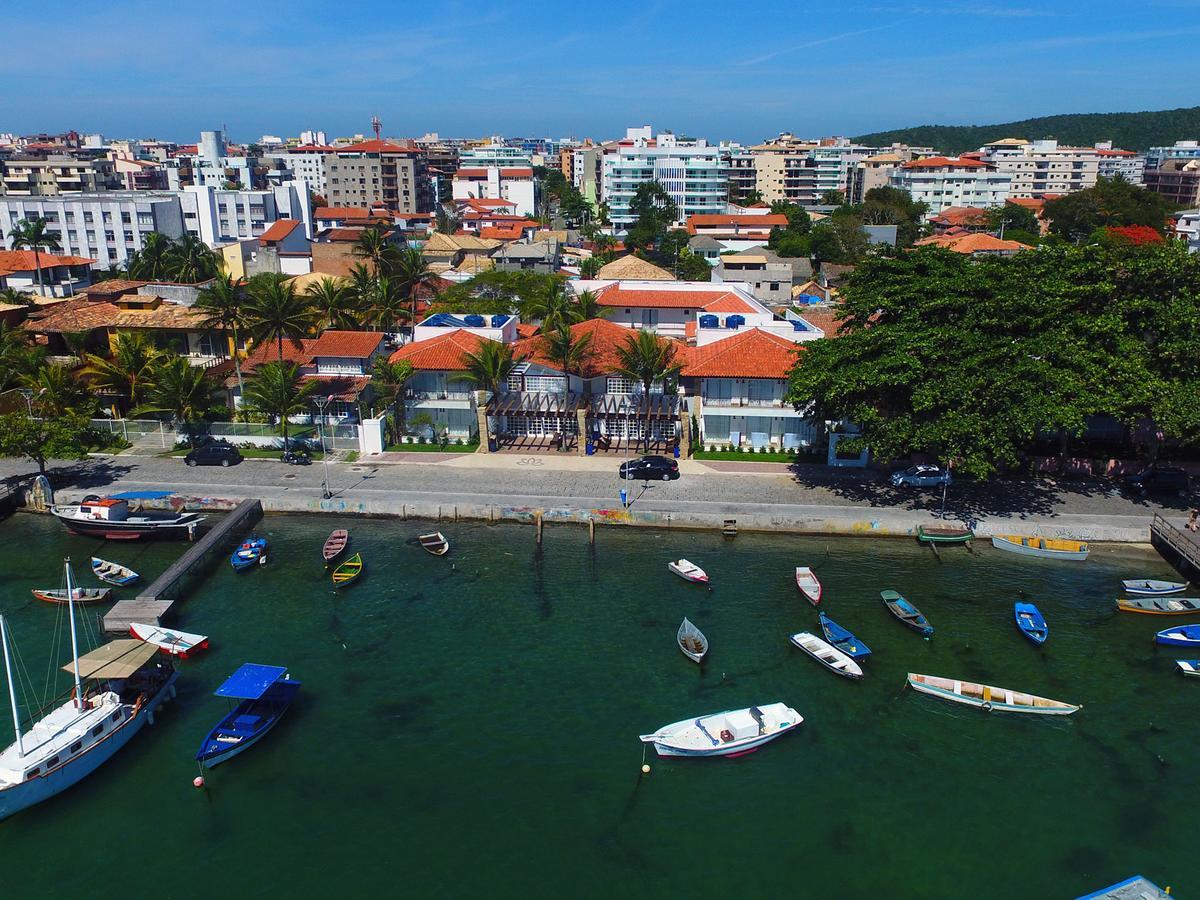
pixel 250 553
pixel 335 544
pixel 809 586
pixel 692 641
pixel 435 543
pixel 734 732
pixel 827 655
pixel 906 613
pixel 1048 548
pixel 348 571
pixel 78 595
pixel 113 573
pixel 170 641
pixel 1161 606
pixel 1149 587
pixel 688 571
pixel 1031 622
pixel 266 692
pixel 943 534
pixel 1179 636
pixel 1188 666
pixel 843 639
pixel 988 698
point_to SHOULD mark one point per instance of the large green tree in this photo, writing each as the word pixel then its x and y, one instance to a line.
pixel 278 390
pixel 183 391
pixel 1113 202
pixel 57 437
pixel 648 359
pixel 130 369
pixel 654 212
pixel 389 380
pixel 223 302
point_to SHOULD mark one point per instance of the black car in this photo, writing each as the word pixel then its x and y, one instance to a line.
pixel 659 467
pixel 1159 480
pixel 214 454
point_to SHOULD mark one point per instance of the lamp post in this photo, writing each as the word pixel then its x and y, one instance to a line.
pixel 322 406
pixel 27 393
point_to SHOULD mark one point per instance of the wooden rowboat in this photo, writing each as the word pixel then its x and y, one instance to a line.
pixel 1161 606
pixel 1151 588
pixel 435 543
pixel 78 595
pixel 113 573
pixel 943 534
pixel 688 571
pixel 335 544
pixel 1031 622
pixel 987 697
pixel 842 639
pixel 808 584
pixel 827 655
pixel 692 641
pixel 906 612
pixel 348 571
pixel 1048 548
pixel 168 640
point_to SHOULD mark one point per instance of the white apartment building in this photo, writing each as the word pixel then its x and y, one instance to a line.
pixel 943 182
pixel 513 183
pixel 308 163
pixel 1114 163
pixel 1043 167
pixel 835 159
pixel 495 155
pixel 691 171
pixel 1156 156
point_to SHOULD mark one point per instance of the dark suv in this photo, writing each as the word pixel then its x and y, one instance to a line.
pixel 214 454
pixel 1159 480
pixel 661 467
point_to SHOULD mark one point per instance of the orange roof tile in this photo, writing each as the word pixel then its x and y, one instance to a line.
pixel 444 352
pixel 378 146
pixel 961 215
pixel 944 162
pixel 23 260
pixel 268 351
pixel 972 243
pixel 358 344
pixel 748 354
pixel 753 222
pixel 526 329
pixel 602 359
pixel 278 231
pixel 716 300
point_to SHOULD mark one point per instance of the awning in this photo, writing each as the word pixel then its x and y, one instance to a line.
pixel 142 495
pixel 116 659
pixel 251 681
pixel 522 403
pixel 662 406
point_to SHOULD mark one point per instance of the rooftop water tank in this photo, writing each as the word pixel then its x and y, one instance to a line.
pixel 735 321
pixel 474 321
pixel 709 321
pixel 498 321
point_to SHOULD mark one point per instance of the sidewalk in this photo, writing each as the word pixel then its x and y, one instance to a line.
pixel 547 462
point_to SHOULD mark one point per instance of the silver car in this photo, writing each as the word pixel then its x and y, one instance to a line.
pixel 921 476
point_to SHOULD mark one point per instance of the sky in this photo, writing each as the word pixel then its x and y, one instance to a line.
pixel 739 71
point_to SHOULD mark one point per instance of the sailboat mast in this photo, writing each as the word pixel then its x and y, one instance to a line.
pixel 74 640
pixel 12 694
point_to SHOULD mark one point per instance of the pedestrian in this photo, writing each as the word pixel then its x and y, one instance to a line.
pixel 1192 524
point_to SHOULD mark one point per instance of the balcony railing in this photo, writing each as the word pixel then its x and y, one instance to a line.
pixel 775 402
pixel 438 395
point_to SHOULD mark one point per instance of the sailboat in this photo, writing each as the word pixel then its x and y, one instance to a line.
pixel 125 685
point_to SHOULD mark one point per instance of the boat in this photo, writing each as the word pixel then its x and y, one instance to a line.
pixel 827 655
pixel 335 544
pixel 77 595
pixel 1031 622
pixel 265 693
pixel 1048 548
pixel 111 518
pixel 987 697
pixel 113 573
pixel 1179 636
pixel 348 571
pixel 843 639
pixel 692 641
pixel 117 689
pixel 1188 666
pixel 944 534
pixel 250 552
pixel 809 585
pixel 906 613
pixel 170 641
pixel 435 543
pixel 1161 606
pixel 1150 587
pixel 688 571
pixel 734 732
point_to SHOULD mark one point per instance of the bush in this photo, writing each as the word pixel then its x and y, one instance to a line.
pixel 421 439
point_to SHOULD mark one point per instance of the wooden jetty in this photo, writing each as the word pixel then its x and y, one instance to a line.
pixel 1180 546
pixel 152 603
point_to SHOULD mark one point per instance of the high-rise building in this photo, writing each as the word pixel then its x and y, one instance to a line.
pixel 691 171
pixel 379 171
pixel 942 182
pixel 1043 167
pixel 1126 164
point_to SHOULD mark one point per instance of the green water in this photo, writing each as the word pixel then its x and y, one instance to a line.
pixel 469 724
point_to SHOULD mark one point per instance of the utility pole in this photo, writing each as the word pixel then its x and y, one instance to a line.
pixel 322 406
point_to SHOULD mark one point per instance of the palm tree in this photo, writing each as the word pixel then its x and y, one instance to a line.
pixel 646 358
pixel 389 380
pixel 277 389
pixel 32 235
pixel 587 306
pixel 182 390
pixel 14 297
pixel 488 369
pixel 224 302
pixel 333 303
pixel 446 219
pixel 386 304
pixel 153 260
pixel 130 369
pixel 190 260
pixel 553 307
pixel 361 288
pixel 56 392
pixel 18 357
pixel 373 246
pixel 411 271
pixel 275 312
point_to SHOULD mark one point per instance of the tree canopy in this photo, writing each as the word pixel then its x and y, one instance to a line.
pixel 654 213
pixel 1113 202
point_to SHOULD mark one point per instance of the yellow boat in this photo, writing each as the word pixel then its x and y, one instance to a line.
pixel 348 571
pixel 1050 548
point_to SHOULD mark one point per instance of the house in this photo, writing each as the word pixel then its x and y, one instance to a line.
pixel 736 232
pixel 59 276
pixel 444 252
pixel 437 397
pixel 285 241
pixel 769 280
pixel 973 244
pixel 540 256
pixel 351 217
pixel 633 268
pixel 515 184
pixel 968 219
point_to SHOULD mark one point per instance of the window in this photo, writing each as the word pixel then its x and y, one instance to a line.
pixel 116 717
pixel 52 761
pixel 34 772
pixel 98 730
pixel 76 747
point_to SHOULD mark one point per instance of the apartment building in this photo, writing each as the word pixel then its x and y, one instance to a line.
pixel 1156 156
pixel 942 182
pixel 308 163
pixel 1176 179
pixel 378 171
pixel 1043 167
pixel 784 169
pixel 584 167
pixel 875 171
pixel 692 172
pixel 495 155
pixel 512 183
pixel 835 159
pixel 742 172
pixel 49 175
pixel 1125 164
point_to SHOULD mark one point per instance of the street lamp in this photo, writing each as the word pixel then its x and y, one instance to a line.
pixel 322 406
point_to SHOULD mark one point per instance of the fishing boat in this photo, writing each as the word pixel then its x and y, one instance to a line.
pixel 944 534
pixel 809 585
pixel 113 573
pixel 1048 548
pixel 1031 622
pixel 335 544
pixel 1151 588
pixel 111 518
pixel 987 697
pixel 250 553
pixel 843 639
pixel 906 613
pixel 117 689
pixel 692 641
pixel 435 543
pixel 688 571
pixel 827 655
pixel 77 595
pixel 1188 666
pixel 1179 636
pixel 348 571
pixel 265 693
pixel 168 640
pixel 1160 606
pixel 734 732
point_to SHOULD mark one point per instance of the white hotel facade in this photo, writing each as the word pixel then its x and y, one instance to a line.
pixel 692 171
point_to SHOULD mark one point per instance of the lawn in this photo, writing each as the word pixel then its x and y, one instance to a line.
pixel 253 453
pixel 746 456
pixel 433 448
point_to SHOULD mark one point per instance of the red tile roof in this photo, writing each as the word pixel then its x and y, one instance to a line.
pixel 827 318
pixel 505 232
pixel 526 329
pixel 748 354
pixel 339 387
pixel 268 351
pixel 1115 153
pixel 518 172
pixel 358 344
pixel 338 213
pixel 23 260
pixel 944 162
pixel 342 235
pixel 471 173
pixel 972 243
pixel 715 300
pixel 751 222
pixel 602 358
pixel 378 147
pixel 961 215
pixel 444 352
pixel 278 231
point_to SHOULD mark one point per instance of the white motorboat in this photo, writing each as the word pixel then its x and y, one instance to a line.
pixel 688 571
pixel 1150 588
pixel 170 641
pixel 731 733
pixel 111 518
pixel 808 583
pixel 827 655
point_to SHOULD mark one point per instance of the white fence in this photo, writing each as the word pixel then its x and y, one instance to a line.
pixel 336 437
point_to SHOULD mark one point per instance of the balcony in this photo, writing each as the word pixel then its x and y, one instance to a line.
pixel 745 402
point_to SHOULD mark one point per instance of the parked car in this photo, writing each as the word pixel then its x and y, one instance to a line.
pixel 1155 479
pixel 215 454
pixel 659 467
pixel 923 475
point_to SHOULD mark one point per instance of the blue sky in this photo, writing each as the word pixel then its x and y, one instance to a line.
pixel 714 69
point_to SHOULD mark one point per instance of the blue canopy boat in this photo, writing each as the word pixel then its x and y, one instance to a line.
pixel 250 552
pixel 842 639
pixel 1180 636
pixel 1031 622
pixel 266 692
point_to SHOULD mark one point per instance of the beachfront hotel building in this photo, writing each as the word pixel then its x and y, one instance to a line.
pixel 942 182
pixel 1042 167
pixel 692 172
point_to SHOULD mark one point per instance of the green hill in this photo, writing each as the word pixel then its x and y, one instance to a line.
pixel 1128 130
